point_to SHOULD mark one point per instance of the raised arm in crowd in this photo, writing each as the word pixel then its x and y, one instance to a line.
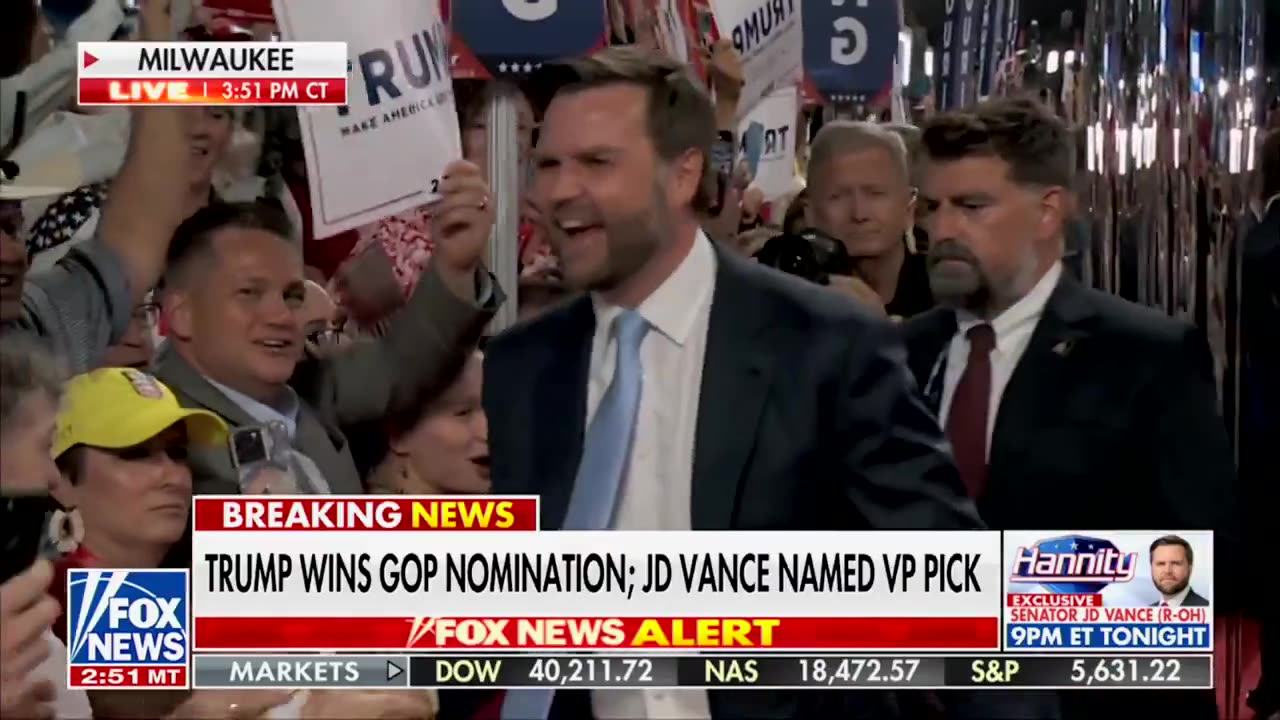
pixel 233 292
pixel 84 303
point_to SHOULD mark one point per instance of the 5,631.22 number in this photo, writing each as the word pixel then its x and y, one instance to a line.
pixel 1115 671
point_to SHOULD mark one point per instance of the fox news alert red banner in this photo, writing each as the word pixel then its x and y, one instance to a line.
pixel 231 73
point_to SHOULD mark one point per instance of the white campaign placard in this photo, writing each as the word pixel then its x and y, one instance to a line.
pixel 671 30
pixel 776 114
pixel 385 152
pixel 770 39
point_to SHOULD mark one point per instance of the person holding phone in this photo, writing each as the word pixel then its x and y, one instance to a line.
pixel 30 684
pixel 725 80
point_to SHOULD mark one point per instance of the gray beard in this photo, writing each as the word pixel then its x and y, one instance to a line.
pixel 967 291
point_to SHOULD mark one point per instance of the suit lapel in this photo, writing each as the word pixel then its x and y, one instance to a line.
pixel 928 337
pixel 735 381
pixel 1039 381
pixel 560 394
pixel 187 383
pixel 213 468
pixel 325 448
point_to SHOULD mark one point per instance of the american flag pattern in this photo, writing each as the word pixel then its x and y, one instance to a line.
pixel 61 220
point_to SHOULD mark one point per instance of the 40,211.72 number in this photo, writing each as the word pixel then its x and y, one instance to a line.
pixel 868 671
pixel 588 670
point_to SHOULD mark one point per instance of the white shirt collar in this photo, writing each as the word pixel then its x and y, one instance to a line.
pixel 1027 310
pixel 672 308
pixel 1176 600
pixel 287 413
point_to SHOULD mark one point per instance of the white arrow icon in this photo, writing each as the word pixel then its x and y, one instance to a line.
pixel 393 671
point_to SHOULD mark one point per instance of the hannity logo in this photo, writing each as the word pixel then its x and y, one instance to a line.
pixel 1073 564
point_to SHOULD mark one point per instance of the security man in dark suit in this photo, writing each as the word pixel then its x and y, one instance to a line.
pixel 1260 403
pixel 1065 407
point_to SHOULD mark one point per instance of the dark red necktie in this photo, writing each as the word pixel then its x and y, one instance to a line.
pixel 970 410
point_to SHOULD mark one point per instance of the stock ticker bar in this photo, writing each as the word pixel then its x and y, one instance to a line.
pixel 774 670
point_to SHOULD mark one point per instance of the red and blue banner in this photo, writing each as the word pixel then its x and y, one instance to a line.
pixel 849 48
pixel 959 62
pixel 500 38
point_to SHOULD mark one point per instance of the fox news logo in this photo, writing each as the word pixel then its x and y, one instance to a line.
pixel 1073 564
pixel 127 619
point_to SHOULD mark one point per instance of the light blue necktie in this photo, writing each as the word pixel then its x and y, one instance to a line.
pixel 606 451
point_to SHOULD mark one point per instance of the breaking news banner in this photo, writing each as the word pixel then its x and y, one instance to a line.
pixel 211 73
pixel 1123 590
pixel 128 629
pixel 325 574
pixel 712 670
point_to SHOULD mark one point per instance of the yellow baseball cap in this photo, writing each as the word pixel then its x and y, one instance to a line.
pixel 122 407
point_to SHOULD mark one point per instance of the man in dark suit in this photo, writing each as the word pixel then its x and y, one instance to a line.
pixel 1260 402
pixel 1171 562
pixel 1065 407
pixel 691 389
pixel 232 295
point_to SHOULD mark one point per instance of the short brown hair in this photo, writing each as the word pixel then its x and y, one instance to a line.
pixel 193 238
pixel 1020 131
pixel 1173 540
pixel 681 116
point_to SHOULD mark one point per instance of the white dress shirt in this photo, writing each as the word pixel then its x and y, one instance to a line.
pixel 657 489
pixel 1013 329
pixel 1178 598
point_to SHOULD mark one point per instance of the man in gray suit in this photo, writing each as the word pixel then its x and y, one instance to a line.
pixel 232 293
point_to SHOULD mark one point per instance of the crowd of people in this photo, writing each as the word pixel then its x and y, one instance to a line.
pixel 949 372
